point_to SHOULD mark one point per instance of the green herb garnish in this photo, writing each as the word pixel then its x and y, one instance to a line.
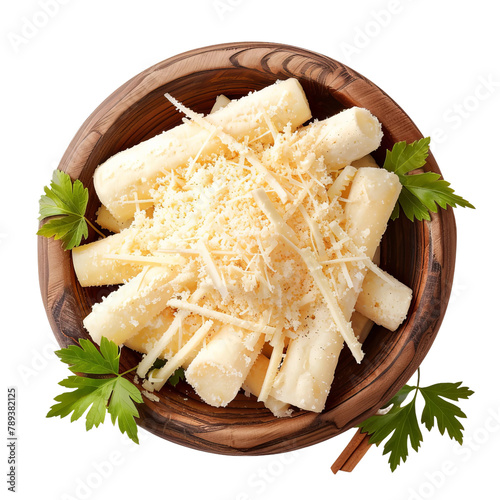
pixel 109 391
pixel 423 192
pixel 68 201
pixel 401 423
pixel 177 376
pixel 113 393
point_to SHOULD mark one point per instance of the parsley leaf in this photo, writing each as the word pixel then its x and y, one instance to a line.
pixel 423 192
pixel 122 408
pixel 113 393
pixel 87 359
pixel 404 158
pixel 406 428
pixel 444 412
pixel 400 423
pixel 67 201
pixel 177 376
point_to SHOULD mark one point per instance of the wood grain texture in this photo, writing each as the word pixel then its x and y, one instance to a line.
pixel 353 453
pixel 422 255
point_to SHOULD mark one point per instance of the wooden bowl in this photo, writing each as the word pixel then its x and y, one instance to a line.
pixel 420 254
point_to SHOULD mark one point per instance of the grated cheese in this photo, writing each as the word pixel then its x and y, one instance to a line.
pixel 248 225
pixel 315 233
pixel 314 268
pixel 341 182
pixel 278 344
pixel 233 144
pixel 164 373
pixel 219 316
pixel 136 200
pixel 212 270
pixel 148 360
pixel 145 259
pixel 272 128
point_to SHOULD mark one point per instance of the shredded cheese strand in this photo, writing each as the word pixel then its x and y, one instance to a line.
pixel 207 140
pixel 137 200
pixel 315 269
pixel 344 259
pixel 271 126
pixel 219 316
pixel 340 233
pixel 163 374
pixel 298 200
pixel 339 319
pixel 233 144
pixel 341 182
pixel 169 334
pixel 145 259
pixel 315 232
pixel 194 251
pixel 266 205
pixel 273 366
pixel 212 270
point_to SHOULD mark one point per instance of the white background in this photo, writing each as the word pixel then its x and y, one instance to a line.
pixel 438 60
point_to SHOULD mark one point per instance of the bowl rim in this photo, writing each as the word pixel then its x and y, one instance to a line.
pixel 435 279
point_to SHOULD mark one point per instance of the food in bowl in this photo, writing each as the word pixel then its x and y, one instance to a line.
pixel 243 243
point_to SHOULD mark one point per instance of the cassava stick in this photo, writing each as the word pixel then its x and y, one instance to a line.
pixel 307 372
pixel 133 172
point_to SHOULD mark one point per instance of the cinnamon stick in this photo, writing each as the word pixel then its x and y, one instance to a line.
pixel 353 453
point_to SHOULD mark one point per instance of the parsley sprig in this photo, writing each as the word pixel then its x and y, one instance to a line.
pixel 100 387
pixel 113 393
pixel 422 192
pixel 401 423
pixel 67 201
